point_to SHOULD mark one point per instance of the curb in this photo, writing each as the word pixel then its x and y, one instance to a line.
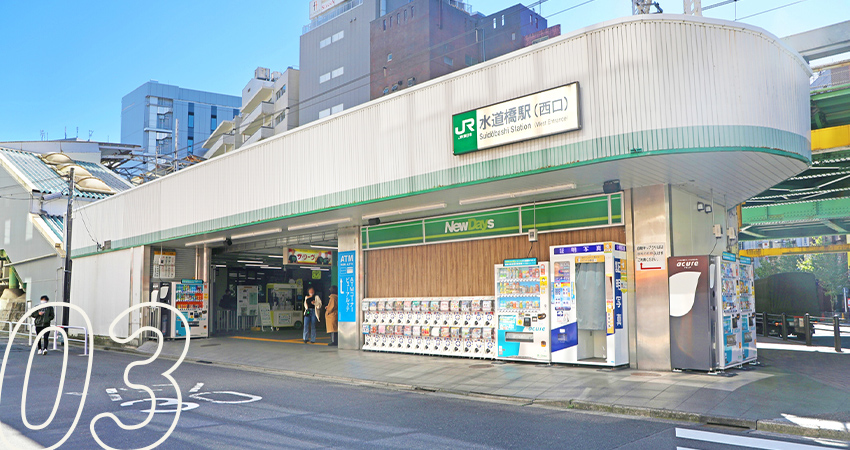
pixel 766 425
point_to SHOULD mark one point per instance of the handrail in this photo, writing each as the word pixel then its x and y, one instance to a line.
pixel 12 325
pixel 85 339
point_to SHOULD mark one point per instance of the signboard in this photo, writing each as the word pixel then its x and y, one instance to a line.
pixel 347 286
pixel 319 7
pixel 542 114
pixel 650 256
pixel 583 212
pixel 265 315
pixel 190 281
pixel 520 262
pixel 164 265
pixel 246 300
pixel 308 257
pixel 284 318
pixel 729 257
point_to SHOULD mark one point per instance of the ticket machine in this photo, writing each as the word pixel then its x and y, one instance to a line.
pixel 588 308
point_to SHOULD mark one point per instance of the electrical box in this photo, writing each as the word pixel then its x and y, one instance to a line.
pixel 532 235
pixel 717 230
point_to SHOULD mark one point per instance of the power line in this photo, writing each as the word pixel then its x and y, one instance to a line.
pixel 769 10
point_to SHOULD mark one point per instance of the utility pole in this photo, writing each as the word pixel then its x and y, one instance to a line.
pixel 66 289
pixel 176 141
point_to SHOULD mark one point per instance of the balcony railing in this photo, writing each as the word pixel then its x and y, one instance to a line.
pixel 333 14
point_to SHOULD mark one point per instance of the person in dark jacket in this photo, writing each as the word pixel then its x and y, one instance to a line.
pixel 42 320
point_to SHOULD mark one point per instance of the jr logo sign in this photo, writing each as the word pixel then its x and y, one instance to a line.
pixel 465 139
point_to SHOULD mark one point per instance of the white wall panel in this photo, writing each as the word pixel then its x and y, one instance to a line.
pixel 687 83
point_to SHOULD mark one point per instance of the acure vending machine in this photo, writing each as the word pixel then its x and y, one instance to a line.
pixel 707 330
pixel 588 312
pixel 522 310
pixel 747 305
pixel 191 297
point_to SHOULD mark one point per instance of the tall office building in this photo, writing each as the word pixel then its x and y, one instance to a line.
pixel 424 39
pixel 150 116
pixel 334 61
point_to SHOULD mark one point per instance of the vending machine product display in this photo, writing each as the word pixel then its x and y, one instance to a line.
pixel 730 348
pixel 446 326
pixel 747 306
pixel 588 311
pixel 191 297
pixel 522 311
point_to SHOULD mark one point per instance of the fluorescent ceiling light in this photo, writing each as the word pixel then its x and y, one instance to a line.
pixel 489 198
pixel 307 267
pixel 276 256
pixel 256 233
pixel 326 247
pixel 272 268
pixel 405 211
pixel 207 241
pixel 255 265
pixel 319 224
pixel 245 261
pixel 220 265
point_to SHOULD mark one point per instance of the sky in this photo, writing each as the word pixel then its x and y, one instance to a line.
pixel 66 65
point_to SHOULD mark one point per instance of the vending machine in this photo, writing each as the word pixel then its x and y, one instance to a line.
pixel 588 310
pixel 706 326
pixel 522 310
pixel 747 306
pixel 729 326
pixel 191 297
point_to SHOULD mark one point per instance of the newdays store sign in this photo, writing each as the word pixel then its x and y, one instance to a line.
pixel 542 114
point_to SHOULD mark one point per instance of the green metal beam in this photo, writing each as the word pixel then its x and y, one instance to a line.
pixel 836 208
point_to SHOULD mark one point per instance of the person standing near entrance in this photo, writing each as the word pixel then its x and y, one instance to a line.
pixel 312 309
pixel 331 316
pixel 42 320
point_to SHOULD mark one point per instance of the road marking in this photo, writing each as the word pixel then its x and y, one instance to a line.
pixel 197 387
pixel 286 341
pixel 741 441
pixel 248 397
pixel 162 402
pixel 113 394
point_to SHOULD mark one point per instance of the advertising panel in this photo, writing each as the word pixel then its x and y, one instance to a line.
pixel 347 286
pixel 308 257
pixel 319 7
pixel 542 114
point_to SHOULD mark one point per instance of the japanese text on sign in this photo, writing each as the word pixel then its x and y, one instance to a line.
pixel 347 278
pixel 650 256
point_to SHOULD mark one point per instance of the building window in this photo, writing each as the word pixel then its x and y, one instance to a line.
pixel 494 22
pixel 191 120
pixel 324 113
pixel 190 144
pixel 529 18
pixel 398 18
pixel 325 77
pixel 513 36
pixel 503 20
pixel 325 42
pixel 470 61
pixel 280 92
pixel 411 81
pixel 280 117
pixel 385 24
pixel 448 61
pixel 338 72
pixel 405 15
pixel 411 12
pixel 389 57
pixel 213 118
pixel 395 87
pixel 537 22
pixel 337 109
pixel 386 90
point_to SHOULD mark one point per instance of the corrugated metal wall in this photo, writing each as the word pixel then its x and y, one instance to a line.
pixel 651 83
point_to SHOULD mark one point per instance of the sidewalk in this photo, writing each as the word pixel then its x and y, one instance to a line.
pixel 797 389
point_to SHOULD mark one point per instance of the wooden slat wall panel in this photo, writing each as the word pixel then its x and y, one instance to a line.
pixel 462 268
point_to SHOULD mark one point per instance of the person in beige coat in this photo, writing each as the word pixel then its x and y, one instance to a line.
pixel 331 316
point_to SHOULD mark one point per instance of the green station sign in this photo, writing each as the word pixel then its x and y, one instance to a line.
pixel 585 212
pixel 541 114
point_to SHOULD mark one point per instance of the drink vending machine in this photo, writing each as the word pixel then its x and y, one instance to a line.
pixel 747 305
pixel 712 321
pixel 191 297
pixel 588 312
pixel 522 310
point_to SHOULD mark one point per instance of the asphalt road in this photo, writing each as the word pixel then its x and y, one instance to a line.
pixel 230 408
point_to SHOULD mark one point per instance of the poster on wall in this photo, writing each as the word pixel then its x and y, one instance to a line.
pixel 347 286
pixel 650 256
pixel 164 265
pixel 247 298
pixel 309 257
